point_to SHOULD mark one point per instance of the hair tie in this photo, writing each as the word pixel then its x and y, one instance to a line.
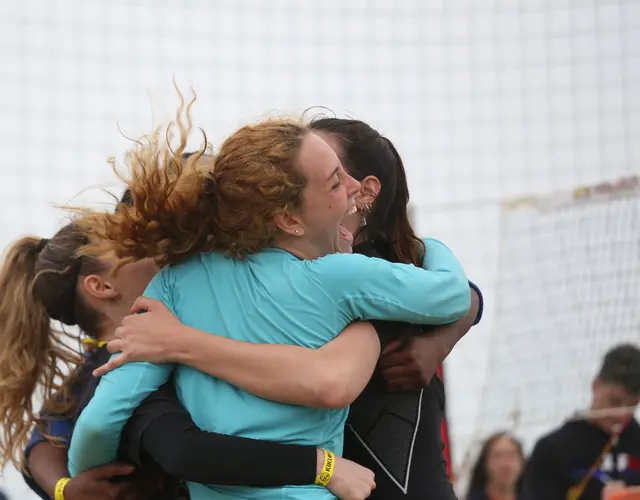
pixel 41 244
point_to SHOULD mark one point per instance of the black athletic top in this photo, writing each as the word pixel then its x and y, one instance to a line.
pixel 398 435
pixel 161 437
pixel 561 459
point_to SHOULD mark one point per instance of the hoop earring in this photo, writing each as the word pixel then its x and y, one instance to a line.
pixel 364 211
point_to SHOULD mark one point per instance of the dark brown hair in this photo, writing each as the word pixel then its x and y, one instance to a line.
pixel 621 366
pixel 367 152
pixel 479 476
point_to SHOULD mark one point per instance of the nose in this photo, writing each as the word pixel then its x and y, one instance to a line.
pixel 353 186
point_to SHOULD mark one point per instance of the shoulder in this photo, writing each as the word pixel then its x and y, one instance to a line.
pixel 557 442
pixel 632 432
pixel 433 243
pixel 340 268
pixel 336 264
pixel 549 443
pixel 169 275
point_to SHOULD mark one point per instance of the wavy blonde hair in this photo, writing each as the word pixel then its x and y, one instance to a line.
pixel 37 285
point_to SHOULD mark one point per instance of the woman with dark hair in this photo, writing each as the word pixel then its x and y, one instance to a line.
pixel 394 426
pixel 496 474
pixel 250 240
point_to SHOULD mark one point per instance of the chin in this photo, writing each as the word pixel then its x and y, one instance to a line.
pixel 345 246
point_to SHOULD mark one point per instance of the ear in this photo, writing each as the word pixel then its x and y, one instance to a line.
pixel 99 288
pixel 369 189
pixel 289 223
pixel 595 385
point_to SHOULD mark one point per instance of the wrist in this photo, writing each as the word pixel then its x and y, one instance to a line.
pixel 319 461
pixel 60 488
pixel 326 471
pixel 181 346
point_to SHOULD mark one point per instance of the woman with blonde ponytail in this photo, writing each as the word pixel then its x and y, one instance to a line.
pixel 49 280
pixel 37 285
pixel 45 289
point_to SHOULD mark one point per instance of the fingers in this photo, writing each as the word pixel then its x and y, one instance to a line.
pixel 395 358
pixel 399 371
pixel 392 346
pixel 402 378
pixel 404 384
pixel 110 365
pixel 112 470
pixel 144 304
pixel 116 345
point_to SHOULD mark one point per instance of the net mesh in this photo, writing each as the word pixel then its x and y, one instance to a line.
pixel 568 289
pixel 484 99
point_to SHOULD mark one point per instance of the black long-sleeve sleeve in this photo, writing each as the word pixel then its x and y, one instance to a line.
pixel 162 430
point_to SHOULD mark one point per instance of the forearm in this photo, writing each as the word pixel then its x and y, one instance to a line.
pixel 188 453
pixel 440 341
pixel 331 376
pixel 97 431
pixel 375 289
pixel 47 464
pixel 263 370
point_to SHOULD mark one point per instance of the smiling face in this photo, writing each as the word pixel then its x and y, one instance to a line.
pixel 329 196
pixel 612 396
pixel 369 189
pixel 504 462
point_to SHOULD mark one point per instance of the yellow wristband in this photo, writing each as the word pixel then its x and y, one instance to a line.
pixel 327 469
pixel 60 486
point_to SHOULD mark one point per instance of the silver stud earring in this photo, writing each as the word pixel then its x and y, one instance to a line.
pixel 297 231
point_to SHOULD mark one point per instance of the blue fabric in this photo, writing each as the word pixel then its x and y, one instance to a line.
pixel 271 297
pixel 481 303
pixel 58 430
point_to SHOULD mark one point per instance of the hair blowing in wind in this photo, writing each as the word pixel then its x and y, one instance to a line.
pixel 33 355
pixel 184 205
pixel 169 215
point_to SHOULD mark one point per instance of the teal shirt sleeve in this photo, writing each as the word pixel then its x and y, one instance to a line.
pixel 370 288
pixel 97 432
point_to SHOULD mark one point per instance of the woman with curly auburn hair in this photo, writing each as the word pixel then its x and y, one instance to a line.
pixel 83 290
pixel 406 373
pixel 248 240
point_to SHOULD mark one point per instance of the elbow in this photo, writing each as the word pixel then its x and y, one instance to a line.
pixel 89 433
pixel 90 443
pixel 177 464
pixel 183 463
pixel 458 302
pixel 332 392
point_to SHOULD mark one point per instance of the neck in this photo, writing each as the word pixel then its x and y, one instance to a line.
pixel 111 318
pixel 497 491
pixel 107 330
pixel 304 250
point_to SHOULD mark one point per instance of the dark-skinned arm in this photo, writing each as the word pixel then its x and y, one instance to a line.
pixel 411 362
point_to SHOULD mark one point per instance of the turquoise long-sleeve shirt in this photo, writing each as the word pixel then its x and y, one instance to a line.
pixel 272 297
